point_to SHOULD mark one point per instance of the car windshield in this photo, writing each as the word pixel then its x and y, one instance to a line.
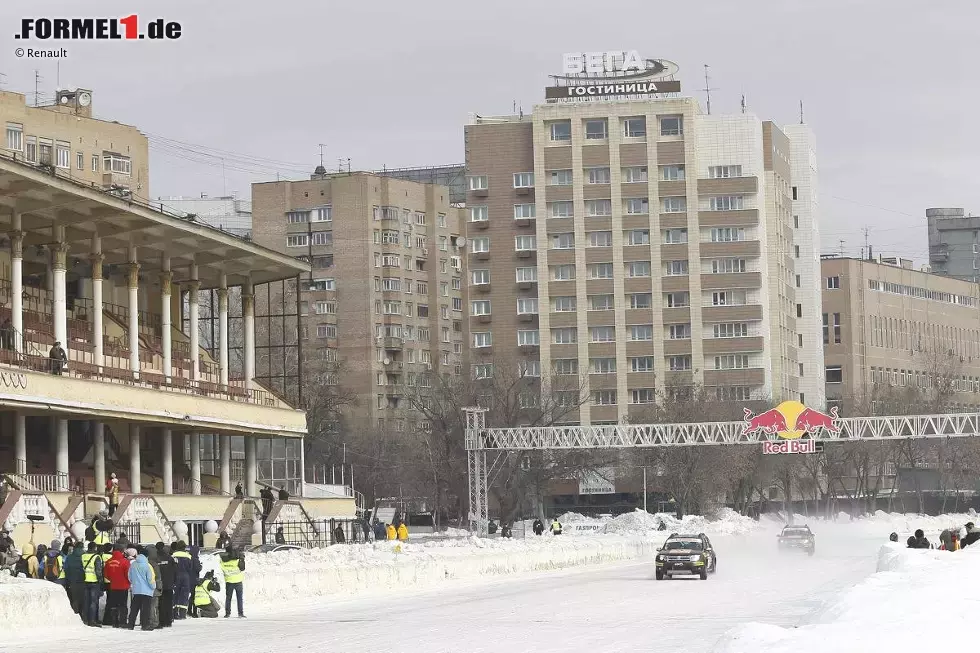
pixel 693 545
pixel 796 531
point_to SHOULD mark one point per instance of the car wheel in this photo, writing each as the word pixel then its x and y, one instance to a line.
pixel 714 565
pixel 704 574
pixel 660 575
pixel 810 552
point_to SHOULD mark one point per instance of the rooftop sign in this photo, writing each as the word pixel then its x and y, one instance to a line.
pixel 612 73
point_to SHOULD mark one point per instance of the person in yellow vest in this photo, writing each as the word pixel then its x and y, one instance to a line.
pixel 402 532
pixel 390 532
pixel 206 606
pixel 92 566
pixel 233 568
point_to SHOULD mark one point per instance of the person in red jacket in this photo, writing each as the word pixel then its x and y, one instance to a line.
pixel 117 575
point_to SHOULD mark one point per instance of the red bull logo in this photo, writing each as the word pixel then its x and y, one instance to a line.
pixel 790 421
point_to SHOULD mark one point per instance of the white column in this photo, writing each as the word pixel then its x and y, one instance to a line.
pixel 20 443
pixel 98 453
pixel 98 331
pixel 135 484
pixel 166 278
pixel 195 286
pixel 248 313
pixel 225 443
pixel 134 313
pixel 250 466
pixel 195 463
pixel 61 454
pixel 17 282
pixel 60 265
pixel 223 330
pixel 167 453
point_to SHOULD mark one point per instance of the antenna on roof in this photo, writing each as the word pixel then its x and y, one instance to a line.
pixel 743 102
pixel 707 88
pixel 801 112
pixel 321 145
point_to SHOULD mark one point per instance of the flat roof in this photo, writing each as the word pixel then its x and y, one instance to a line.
pixel 45 198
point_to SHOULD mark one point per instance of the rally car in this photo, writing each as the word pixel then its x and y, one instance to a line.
pixel 797 537
pixel 686 555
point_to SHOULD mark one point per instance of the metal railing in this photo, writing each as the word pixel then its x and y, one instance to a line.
pixel 58 482
pixel 316 533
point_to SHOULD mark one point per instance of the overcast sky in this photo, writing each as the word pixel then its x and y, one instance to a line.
pixel 889 86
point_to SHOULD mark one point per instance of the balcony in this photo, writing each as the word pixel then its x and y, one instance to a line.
pixel 392 343
pixel 527 317
pixel 750 376
pixel 731 280
pixel 525 253
pixel 746 312
pixel 728 186
pixel 481 256
pixel 526 285
pixel 479 224
pixel 740 218
pixel 712 346
pixel 481 287
pixel 524 222
pixel 748 248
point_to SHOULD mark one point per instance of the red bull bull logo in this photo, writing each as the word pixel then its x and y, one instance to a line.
pixel 790 421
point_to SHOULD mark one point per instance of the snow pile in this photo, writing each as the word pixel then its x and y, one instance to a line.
pixel 917 597
pixel 26 603
pixel 640 522
pixel 386 566
pixel 882 522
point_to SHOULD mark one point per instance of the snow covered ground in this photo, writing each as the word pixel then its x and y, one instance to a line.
pixel 590 592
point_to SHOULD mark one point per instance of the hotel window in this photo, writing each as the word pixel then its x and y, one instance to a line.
pixel 478 182
pixel 527 305
pixel 79 161
pixel 601 302
pixel 671 125
pixel 635 127
pixel 679 331
pixel 674 204
pixel 597 129
pixel 481 245
pixel 600 238
pixel 524 211
pixel 561 209
pixel 529 368
pixel 323 284
pixel 527 275
pixel 528 338
pixel 636 269
pixel 564 336
pixel 676 268
pixel 641 364
pixel 525 243
pixel 560 178
pixel 563 241
pixel 727 235
pixel 727 265
pixel 598 207
pixel 678 363
pixel 725 203
pixel 15 136
pixel 566 366
pixel 675 236
pixel 480 307
pixel 561 131
pixel 724 172
pixel 597 175
pixel 734 393
pixel 482 339
pixel 671 173
pixel 326 331
pixel 479 213
pixel 641 332
pixel 479 277
pixel 30 152
pixel 641 300
pixel 728 298
pixel 563 273
pixel 601 271
pixel 604 398
pixel 297 217
pixel 523 180
pixel 637 206
pixel 602 334
pixel 326 308
pixel 643 396
pixel 563 304
pixel 635 175
pixel 732 362
pixel 322 238
pixel 677 299
pixel 63 150
pixel 732 330
pixel 636 237
pixel 322 214
pixel 299 240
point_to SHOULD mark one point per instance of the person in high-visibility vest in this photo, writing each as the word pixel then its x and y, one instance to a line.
pixel 92 567
pixel 402 532
pixel 556 527
pixel 207 607
pixel 233 568
pixel 390 532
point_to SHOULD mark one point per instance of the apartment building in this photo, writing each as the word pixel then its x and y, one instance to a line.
pixel 954 243
pixel 228 213
pixel 887 324
pixel 66 136
pixel 644 245
pixel 386 296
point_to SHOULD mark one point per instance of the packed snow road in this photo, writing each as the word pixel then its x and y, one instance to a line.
pixel 617 607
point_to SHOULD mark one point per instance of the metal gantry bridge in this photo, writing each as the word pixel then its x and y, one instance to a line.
pixel 486 448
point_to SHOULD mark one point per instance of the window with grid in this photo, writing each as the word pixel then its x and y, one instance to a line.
pixel 678 363
pixel 528 338
pixel 641 332
pixel 595 208
pixel 672 173
pixel 730 330
pixel 596 129
pixel 527 305
pixel 679 331
pixel 561 209
pixel 635 175
pixel 479 277
pixel 563 241
pixel 566 366
pixel 724 172
pixel 525 243
pixel 524 211
pixel 564 336
pixel 727 235
pixel 526 274
pixel 732 362
pixel 725 203
pixel 635 127
pixel 641 300
pixel 602 334
pixel 637 206
pixel 674 204
pixel 480 307
pixel 563 304
pixel 482 339
pixel 560 178
pixel 643 396
pixel 641 364
pixel 636 269
pixel 602 366
pixel 636 237
pixel 676 268
pixel 523 180
pixel 677 299
pixel 727 265
pixel 479 214
pixel 562 272
pixel 597 175
pixel 600 238
pixel 601 302
pixel 604 398
pixel 601 271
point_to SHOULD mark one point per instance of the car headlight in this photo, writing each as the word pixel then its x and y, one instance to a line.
pixel 695 558
pixel 661 557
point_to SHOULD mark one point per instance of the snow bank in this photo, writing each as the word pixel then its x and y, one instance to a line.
pixel 887 522
pixel 917 597
pixel 25 603
pixel 271 578
pixel 640 522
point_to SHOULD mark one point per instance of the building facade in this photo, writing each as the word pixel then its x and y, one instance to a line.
pixel 954 243
pixel 385 299
pixel 887 324
pixel 229 214
pixel 64 135
pixel 643 245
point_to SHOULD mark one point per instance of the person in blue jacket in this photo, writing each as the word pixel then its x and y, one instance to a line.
pixel 142 584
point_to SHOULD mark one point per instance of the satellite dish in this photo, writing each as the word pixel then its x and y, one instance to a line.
pixel 387 361
pixel 64 99
pixel 84 99
pixel 460 242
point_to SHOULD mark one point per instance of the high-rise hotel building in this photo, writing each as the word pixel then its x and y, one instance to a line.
pixel 644 245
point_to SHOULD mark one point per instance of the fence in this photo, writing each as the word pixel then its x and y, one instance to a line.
pixel 313 534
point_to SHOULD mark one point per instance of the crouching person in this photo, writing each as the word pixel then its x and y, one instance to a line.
pixel 207 606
